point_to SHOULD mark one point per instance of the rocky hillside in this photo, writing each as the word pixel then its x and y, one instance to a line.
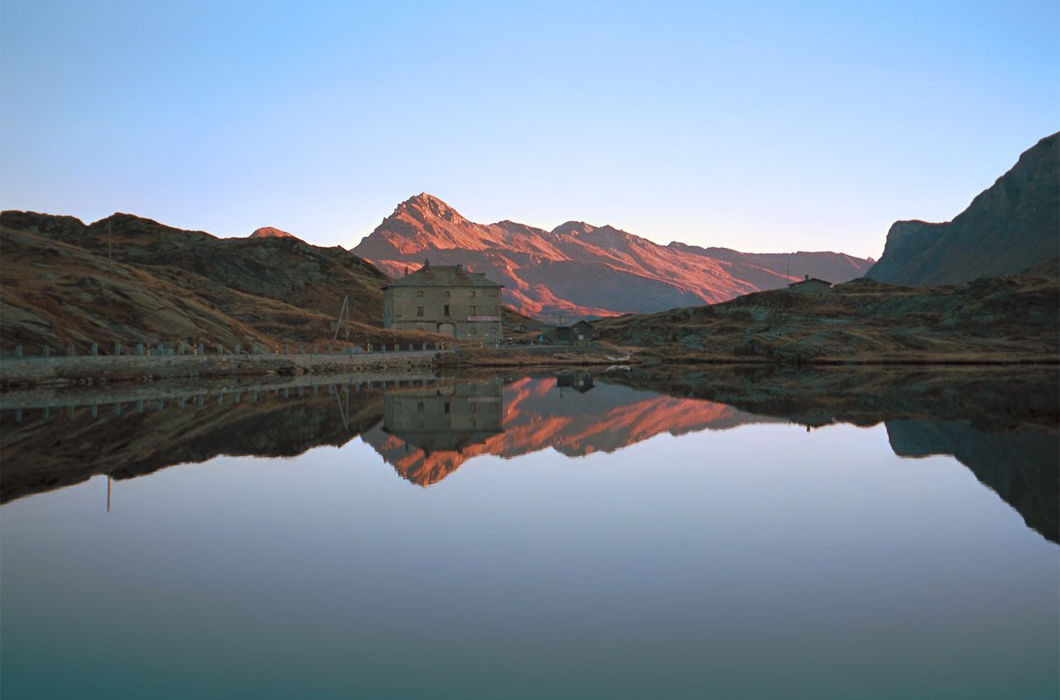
pixel 1009 227
pixel 126 279
pixel 578 269
pixel 270 232
pixel 1007 319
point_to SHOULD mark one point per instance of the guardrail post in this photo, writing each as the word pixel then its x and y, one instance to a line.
pixel 95 350
pixel 47 351
pixel 139 348
pixel 117 349
pixel 18 351
pixel 72 351
pixel 220 349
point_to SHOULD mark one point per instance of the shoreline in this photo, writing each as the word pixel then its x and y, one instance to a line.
pixel 58 372
pixel 84 370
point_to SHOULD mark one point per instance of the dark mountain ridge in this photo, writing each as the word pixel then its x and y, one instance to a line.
pixel 1007 228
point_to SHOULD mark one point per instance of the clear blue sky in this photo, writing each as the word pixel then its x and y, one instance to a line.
pixel 759 126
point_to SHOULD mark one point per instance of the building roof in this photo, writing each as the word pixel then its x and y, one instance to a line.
pixel 443 276
pixel 811 280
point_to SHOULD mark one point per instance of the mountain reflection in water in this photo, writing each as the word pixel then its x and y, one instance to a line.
pixel 1003 427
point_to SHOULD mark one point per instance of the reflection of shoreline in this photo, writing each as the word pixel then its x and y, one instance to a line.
pixel 426 429
pixel 1002 423
pixel 575 417
pixel 1013 465
pixel 45 448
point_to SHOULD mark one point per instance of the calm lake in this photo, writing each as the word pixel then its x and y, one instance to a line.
pixel 608 535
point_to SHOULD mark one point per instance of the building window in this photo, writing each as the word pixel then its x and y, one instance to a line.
pixel 419 407
pixel 472 293
pixel 419 293
pixel 447 292
pixel 446 311
pixel 419 310
pixel 447 407
pixel 472 309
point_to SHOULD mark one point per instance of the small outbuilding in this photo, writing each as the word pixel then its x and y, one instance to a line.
pixel 582 330
pixel 811 285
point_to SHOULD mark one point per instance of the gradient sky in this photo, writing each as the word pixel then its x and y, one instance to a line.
pixel 758 126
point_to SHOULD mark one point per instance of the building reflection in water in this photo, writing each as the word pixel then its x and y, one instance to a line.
pixel 445 418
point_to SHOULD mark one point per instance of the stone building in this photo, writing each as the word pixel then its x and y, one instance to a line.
pixel 446 299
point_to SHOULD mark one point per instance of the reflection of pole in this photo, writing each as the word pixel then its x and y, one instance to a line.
pixel 108 493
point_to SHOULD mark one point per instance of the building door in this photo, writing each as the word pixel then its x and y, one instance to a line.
pixel 447 329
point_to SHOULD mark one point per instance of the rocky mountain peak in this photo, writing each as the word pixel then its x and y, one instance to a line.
pixel 425 206
pixel 573 228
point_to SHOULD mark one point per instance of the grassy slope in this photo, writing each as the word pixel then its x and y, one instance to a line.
pixel 169 285
pixel 997 320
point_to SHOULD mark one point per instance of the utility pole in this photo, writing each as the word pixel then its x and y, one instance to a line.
pixel 344 311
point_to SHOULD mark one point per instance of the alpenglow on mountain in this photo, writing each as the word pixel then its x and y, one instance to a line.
pixel 578 270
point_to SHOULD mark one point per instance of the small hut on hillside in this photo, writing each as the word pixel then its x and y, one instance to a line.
pixel 810 285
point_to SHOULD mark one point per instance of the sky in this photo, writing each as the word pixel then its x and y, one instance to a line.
pixel 765 127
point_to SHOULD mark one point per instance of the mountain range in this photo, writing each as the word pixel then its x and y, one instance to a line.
pixel 580 270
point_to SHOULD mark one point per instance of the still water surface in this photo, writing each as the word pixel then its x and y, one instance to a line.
pixel 587 540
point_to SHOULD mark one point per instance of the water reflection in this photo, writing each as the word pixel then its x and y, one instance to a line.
pixel 1002 426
